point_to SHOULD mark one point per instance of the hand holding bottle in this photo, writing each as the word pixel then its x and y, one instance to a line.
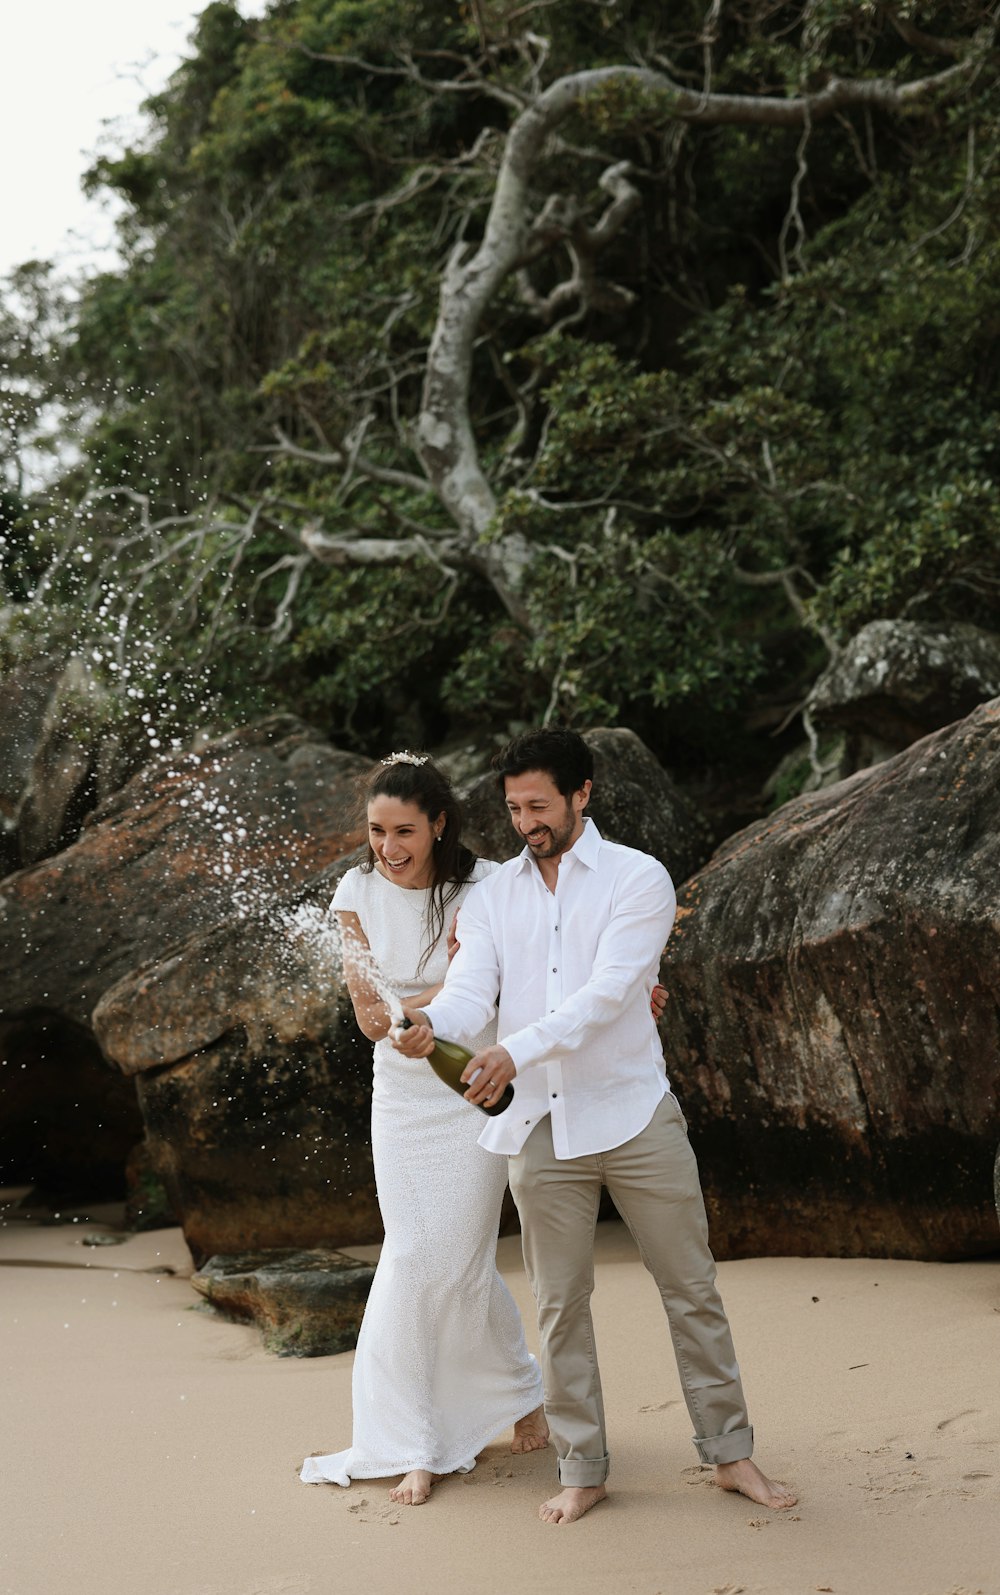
pixel 416 1040
pixel 488 1075
pixel 456 1066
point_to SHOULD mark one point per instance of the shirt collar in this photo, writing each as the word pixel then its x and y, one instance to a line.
pixel 585 848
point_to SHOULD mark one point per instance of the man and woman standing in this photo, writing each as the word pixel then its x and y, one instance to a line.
pixel 558 950
pixel 563 943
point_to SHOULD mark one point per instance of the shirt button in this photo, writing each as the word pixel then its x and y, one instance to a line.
pixel 527 1121
pixel 555 971
pixel 554 1095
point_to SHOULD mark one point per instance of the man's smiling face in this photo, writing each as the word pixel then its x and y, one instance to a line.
pixel 547 821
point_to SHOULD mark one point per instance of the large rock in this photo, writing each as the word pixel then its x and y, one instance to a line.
pixel 894 681
pixel 898 679
pixel 193 841
pixel 833 1024
pixel 634 801
pixel 254 1081
pixel 308 1303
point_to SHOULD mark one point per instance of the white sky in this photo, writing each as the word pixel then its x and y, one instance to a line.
pixel 68 68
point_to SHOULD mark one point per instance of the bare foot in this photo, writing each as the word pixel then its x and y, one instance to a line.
pixel 530 1433
pixel 415 1488
pixel 745 1477
pixel 571 1503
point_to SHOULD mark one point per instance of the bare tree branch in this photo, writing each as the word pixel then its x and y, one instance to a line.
pixel 338 457
pixel 446 442
pixel 583 289
pixel 954 215
pixel 296 565
pixel 512 239
pixel 470 81
pixel 424 177
pixel 926 43
pixel 793 216
pixel 786 579
pixel 368 550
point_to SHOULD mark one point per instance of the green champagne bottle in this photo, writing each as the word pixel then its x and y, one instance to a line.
pixel 448 1060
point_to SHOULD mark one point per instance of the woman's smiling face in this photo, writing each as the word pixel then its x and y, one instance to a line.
pixel 402 839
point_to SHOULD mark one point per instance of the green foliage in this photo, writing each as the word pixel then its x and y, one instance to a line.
pixel 367 637
pixel 937 553
pixel 627 584
pixel 790 431
pixel 32 319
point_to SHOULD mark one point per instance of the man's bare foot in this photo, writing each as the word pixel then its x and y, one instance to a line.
pixel 571 1503
pixel 531 1433
pixel 745 1477
pixel 415 1488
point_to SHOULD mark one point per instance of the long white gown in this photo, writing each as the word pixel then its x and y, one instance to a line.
pixel 441 1366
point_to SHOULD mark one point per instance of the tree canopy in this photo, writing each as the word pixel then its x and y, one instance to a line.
pixel 502 361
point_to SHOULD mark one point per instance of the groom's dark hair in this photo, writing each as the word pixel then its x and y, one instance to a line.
pixel 555 750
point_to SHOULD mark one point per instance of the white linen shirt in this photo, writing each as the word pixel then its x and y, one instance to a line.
pixel 571 972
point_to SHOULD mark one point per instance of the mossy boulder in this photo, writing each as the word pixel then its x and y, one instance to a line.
pixel 308 1303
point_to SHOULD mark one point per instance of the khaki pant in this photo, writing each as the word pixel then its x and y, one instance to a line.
pixel 653 1181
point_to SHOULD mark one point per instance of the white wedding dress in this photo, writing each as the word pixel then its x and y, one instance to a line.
pixel 441 1366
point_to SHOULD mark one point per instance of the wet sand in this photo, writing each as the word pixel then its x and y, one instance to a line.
pixel 149 1446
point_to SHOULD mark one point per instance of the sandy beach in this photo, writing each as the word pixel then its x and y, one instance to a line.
pixel 150 1446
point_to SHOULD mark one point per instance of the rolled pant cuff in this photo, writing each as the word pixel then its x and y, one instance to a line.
pixel 725 1447
pixel 582 1473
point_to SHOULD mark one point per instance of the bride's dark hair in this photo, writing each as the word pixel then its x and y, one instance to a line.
pixel 415 778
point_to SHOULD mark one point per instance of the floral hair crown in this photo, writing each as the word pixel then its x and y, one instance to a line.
pixel 405 757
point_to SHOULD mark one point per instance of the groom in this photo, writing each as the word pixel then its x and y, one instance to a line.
pixel 566 940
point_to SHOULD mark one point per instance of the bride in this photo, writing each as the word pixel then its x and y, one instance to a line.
pixel 441 1366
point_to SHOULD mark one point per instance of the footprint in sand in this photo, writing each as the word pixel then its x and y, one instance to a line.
pixel 970 1412
pixel 366 1513
pixel 895 1482
pixel 701 1473
pixel 890 1484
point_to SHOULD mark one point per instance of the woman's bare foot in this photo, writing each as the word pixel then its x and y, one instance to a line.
pixel 531 1433
pixel 745 1477
pixel 571 1503
pixel 415 1488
